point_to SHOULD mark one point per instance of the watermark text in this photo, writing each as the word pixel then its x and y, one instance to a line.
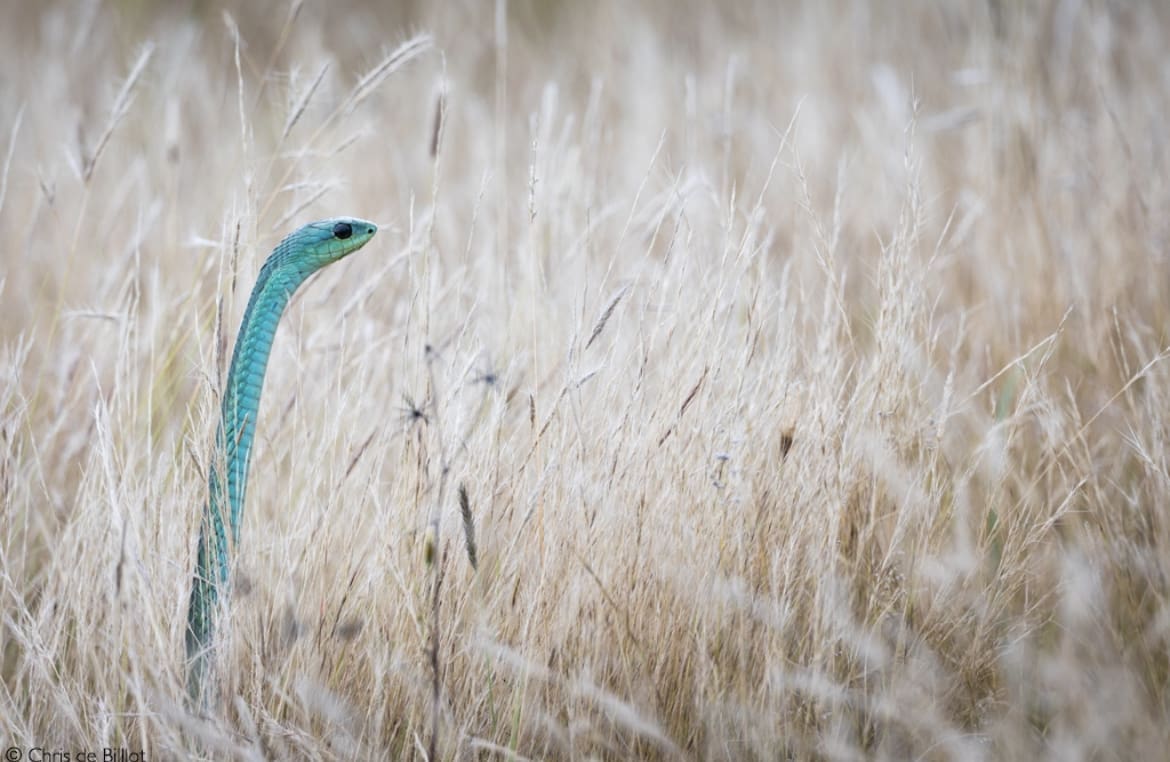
pixel 41 754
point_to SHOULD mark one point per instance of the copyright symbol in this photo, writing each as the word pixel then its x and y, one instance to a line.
pixel 13 754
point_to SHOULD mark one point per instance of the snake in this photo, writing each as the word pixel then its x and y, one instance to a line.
pixel 290 264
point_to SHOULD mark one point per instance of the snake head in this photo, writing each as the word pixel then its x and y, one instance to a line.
pixel 336 237
pixel 324 242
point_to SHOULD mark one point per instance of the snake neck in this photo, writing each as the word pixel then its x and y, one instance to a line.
pixel 241 401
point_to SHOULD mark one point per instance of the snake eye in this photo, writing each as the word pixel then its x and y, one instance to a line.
pixel 342 230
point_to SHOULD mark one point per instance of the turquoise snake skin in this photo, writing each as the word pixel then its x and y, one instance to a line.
pixel 291 263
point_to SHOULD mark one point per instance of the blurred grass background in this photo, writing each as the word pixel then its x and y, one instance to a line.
pixel 802 363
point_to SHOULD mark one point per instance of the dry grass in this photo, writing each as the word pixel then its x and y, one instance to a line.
pixel 804 368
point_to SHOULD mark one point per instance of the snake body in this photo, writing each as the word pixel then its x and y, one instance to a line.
pixel 297 257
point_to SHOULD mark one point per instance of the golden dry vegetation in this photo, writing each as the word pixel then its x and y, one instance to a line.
pixel 803 367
